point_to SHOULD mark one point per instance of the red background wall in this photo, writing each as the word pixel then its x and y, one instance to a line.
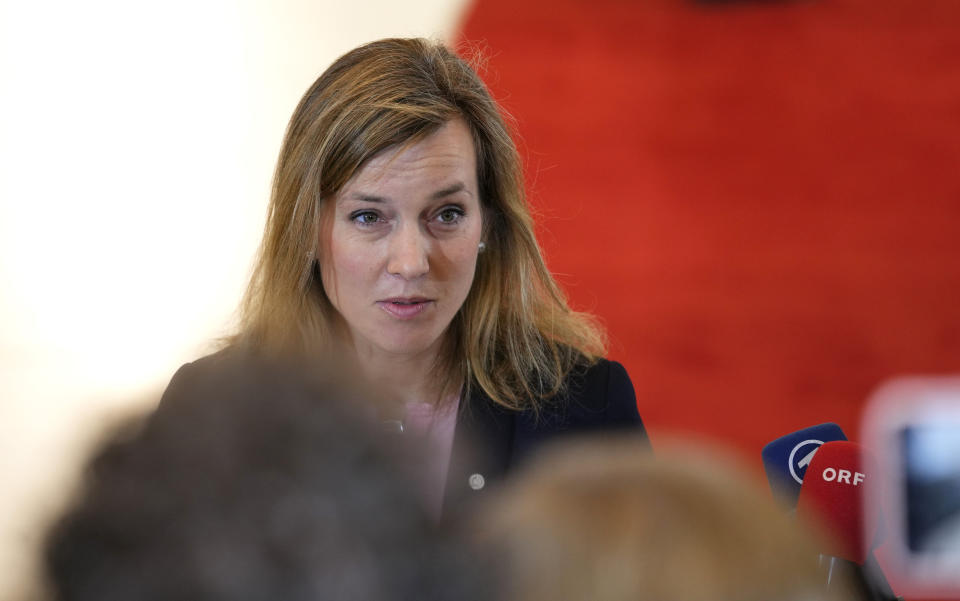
pixel 761 200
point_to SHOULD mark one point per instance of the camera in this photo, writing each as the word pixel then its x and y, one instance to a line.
pixel 912 427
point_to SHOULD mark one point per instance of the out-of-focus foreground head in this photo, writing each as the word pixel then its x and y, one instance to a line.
pixel 257 483
pixel 606 520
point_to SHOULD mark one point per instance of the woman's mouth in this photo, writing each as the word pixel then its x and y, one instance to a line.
pixel 404 308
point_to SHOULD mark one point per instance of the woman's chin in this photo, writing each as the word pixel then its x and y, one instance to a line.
pixel 400 346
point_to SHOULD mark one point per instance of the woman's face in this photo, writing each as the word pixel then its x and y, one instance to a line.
pixel 403 244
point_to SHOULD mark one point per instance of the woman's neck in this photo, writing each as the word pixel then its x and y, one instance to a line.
pixel 406 378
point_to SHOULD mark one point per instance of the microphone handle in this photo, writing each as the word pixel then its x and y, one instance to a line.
pixel 838 572
pixel 876 580
pixel 868 581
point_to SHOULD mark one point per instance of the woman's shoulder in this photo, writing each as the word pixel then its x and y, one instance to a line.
pixel 600 368
pixel 598 398
pixel 600 389
pixel 204 366
pixel 194 374
pixel 234 368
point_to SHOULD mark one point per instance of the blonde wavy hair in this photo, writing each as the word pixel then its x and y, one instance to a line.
pixel 515 336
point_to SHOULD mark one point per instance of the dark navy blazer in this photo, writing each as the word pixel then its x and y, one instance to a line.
pixel 489 440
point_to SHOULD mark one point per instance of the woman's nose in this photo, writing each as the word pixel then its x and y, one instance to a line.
pixel 409 253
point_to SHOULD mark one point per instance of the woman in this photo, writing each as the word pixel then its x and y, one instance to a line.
pixel 398 233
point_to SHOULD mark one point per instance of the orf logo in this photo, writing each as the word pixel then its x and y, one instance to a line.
pixel 801 456
pixel 842 476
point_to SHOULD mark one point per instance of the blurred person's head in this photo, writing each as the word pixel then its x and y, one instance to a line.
pixel 467 285
pixel 257 482
pixel 606 520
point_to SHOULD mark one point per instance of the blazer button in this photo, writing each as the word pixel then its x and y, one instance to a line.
pixel 476 481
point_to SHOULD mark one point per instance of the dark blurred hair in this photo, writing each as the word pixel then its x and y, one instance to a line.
pixel 252 481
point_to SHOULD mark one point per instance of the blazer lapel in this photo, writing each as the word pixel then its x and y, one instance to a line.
pixel 482 445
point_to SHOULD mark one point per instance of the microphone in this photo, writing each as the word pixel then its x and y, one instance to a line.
pixel 786 461
pixel 832 495
pixel 787 458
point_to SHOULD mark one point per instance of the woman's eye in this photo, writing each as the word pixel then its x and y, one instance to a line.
pixel 450 215
pixel 365 217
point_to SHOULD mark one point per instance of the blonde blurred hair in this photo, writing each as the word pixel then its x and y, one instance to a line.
pixel 515 335
pixel 606 520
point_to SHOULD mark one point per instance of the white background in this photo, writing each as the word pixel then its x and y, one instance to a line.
pixel 137 142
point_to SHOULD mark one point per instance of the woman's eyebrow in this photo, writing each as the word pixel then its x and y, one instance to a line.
pixel 442 193
pixel 450 190
pixel 366 197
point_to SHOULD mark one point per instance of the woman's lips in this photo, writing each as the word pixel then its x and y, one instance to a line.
pixel 404 308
